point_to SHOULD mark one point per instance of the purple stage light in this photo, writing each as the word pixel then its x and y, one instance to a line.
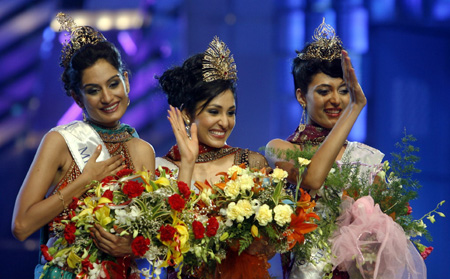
pixel 71 114
pixel 127 42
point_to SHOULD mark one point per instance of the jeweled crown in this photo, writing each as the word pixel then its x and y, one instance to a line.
pixel 218 63
pixel 79 37
pixel 326 45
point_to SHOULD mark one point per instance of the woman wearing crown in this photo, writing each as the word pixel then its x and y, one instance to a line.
pixel 73 155
pixel 202 96
pixel 327 89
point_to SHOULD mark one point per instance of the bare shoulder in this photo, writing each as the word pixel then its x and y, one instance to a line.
pixel 143 146
pixel 279 144
pixel 54 142
pixel 143 154
pixel 275 148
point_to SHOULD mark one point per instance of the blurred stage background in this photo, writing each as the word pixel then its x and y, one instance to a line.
pixel 400 49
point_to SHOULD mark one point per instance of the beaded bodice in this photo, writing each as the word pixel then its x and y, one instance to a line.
pixel 115 141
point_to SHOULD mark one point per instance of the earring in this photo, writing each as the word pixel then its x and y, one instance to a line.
pixel 302 125
pixel 188 127
pixel 84 117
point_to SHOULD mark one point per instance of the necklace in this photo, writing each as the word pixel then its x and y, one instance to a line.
pixel 313 135
pixel 119 133
pixel 205 153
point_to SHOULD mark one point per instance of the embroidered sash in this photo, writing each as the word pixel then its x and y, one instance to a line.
pixel 82 141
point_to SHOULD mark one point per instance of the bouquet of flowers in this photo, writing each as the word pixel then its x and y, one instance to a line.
pixel 160 214
pixel 373 212
pixel 255 208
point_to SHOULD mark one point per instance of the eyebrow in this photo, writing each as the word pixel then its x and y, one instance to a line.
pixel 328 85
pixel 94 84
pixel 219 106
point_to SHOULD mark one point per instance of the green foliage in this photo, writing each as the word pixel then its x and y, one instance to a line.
pixel 394 186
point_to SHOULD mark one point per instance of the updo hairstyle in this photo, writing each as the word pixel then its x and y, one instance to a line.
pixel 86 57
pixel 185 88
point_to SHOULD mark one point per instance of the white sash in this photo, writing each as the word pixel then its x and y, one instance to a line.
pixel 82 141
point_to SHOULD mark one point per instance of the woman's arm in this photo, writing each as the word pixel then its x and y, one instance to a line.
pixel 31 210
pixel 322 161
pixel 187 144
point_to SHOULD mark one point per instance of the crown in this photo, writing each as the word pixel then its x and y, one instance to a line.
pixel 218 63
pixel 326 45
pixel 79 37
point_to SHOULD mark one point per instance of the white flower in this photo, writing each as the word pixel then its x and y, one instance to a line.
pixel 264 215
pixel 135 212
pixel 97 271
pixel 245 208
pixel 283 214
pixel 246 182
pixel 255 205
pixel 234 169
pixel 232 213
pixel 205 196
pixel 279 174
pixel 122 217
pixel 303 162
pixel 232 189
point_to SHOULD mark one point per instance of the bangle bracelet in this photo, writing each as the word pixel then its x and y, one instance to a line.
pixel 61 198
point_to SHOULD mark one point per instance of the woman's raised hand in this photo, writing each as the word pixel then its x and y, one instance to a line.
pixel 99 170
pixel 187 144
pixel 357 96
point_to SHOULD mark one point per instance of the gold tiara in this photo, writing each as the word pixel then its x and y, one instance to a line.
pixel 218 63
pixel 79 37
pixel 326 45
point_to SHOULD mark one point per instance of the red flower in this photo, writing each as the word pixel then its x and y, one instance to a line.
pixel 44 250
pixel 426 252
pixel 108 194
pixel 177 202
pixel 133 189
pixel 212 227
pixel 184 189
pixel 124 172
pixel 107 179
pixel 409 209
pixel 140 245
pixel 74 204
pixel 86 265
pixel 167 232
pixel 69 232
pixel 166 170
pixel 199 229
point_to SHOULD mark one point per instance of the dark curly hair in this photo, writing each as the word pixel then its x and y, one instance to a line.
pixel 84 58
pixel 185 88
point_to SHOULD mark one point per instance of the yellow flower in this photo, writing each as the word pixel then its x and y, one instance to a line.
pixel 91 204
pixel 254 230
pixel 282 214
pixel 163 181
pixel 235 169
pixel 73 260
pixel 205 196
pixel 246 182
pixel 279 174
pixel 102 215
pixel 303 162
pixel 264 215
pixel 232 189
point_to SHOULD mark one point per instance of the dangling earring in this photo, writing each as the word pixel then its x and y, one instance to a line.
pixel 84 117
pixel 188 127
pixel 302 125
